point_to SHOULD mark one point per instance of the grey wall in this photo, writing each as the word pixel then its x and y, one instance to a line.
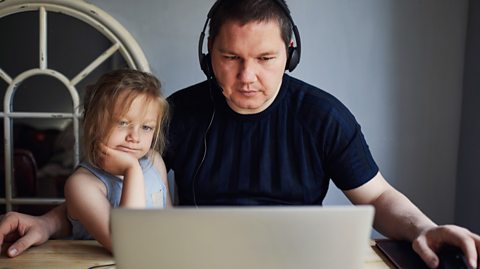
pixel 398 65
pixel 468 200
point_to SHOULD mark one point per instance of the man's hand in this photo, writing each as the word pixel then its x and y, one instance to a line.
pixel 23 230
pixel 430 241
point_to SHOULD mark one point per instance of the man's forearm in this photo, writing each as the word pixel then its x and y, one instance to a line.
pixel 57 223
pixel 398 218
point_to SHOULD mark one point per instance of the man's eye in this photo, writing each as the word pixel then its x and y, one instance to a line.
pixel 266 58
pixel 230 57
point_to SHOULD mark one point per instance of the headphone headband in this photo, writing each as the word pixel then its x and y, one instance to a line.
pixel 294 52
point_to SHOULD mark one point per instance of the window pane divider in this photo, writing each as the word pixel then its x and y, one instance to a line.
pixel 46 115
pixel 100 59
pixel 43 38
pixel 5 77
pixel 28 201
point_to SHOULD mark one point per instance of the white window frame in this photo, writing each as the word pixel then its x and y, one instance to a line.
pixel 121 40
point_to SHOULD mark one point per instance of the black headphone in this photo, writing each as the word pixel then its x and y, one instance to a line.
pixel 293 57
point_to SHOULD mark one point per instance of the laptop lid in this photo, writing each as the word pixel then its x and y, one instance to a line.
pixel 242 237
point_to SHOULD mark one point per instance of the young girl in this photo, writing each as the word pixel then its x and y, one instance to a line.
pixel 123 119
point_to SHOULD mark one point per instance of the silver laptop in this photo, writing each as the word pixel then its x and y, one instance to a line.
pixel 242 237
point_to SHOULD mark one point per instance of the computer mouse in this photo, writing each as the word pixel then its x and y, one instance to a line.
pixel 452 258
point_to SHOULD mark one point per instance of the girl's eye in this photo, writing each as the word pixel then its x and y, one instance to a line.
pixel 147 128
pixel 122 123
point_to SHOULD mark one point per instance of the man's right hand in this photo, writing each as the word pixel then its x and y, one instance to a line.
pixel 23 230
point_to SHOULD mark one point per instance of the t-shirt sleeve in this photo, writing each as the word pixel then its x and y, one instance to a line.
pixel 352 164
pixel 349 161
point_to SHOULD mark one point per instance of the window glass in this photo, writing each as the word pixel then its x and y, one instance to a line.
pixel 43 152
pixel 42 94
pixel 3 89
pixel 19 42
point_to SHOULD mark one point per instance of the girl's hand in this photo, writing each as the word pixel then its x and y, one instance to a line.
pixel 116 162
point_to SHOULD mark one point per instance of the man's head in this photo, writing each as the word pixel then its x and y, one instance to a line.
pixel 224 10
pixel 248 48
pixel 246 11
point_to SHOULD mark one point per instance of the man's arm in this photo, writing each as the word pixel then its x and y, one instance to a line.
pixel 28 230
pixel 398 218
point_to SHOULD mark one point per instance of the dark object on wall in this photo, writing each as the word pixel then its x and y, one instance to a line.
pixel 24 173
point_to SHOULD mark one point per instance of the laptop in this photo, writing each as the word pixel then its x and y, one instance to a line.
pixel 242 237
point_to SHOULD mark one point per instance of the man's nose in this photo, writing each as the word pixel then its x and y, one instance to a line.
pixel 247 72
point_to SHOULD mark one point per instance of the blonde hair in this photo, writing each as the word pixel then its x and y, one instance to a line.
pixel 102 100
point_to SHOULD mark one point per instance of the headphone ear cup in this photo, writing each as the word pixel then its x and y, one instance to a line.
pixel 293 59
pixel 206 65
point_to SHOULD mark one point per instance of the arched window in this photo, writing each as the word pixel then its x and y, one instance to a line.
pixel 50 51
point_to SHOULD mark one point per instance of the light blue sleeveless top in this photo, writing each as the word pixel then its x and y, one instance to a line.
pixel 155 191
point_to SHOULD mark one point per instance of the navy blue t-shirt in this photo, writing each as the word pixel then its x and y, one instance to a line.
pixel 284 155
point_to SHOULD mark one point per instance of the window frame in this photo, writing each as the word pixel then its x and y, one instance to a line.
pixel 121 40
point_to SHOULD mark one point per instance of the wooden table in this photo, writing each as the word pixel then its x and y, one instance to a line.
pixel 56 254
pixel 84 254
pixel 375 259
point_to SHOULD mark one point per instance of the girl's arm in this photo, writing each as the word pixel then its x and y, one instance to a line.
pixel 133 191
pixel 85 197
pixel 160 166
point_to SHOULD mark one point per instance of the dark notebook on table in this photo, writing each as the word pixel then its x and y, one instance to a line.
pixel 401 254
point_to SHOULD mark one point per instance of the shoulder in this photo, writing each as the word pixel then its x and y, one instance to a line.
pixel 190 96
pixel 315 104
pixel 156 164
pixel 158 160
pixel 155 159
pixel 188 104
pixel 188 107
pixel 80 188
pixel 81 181
pixel 310 95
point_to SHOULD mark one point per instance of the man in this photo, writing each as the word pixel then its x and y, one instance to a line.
pixel 252 135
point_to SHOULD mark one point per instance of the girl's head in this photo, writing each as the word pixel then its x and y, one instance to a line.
pixel 125 110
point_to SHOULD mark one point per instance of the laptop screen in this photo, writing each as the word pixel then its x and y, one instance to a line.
pixel 242 237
